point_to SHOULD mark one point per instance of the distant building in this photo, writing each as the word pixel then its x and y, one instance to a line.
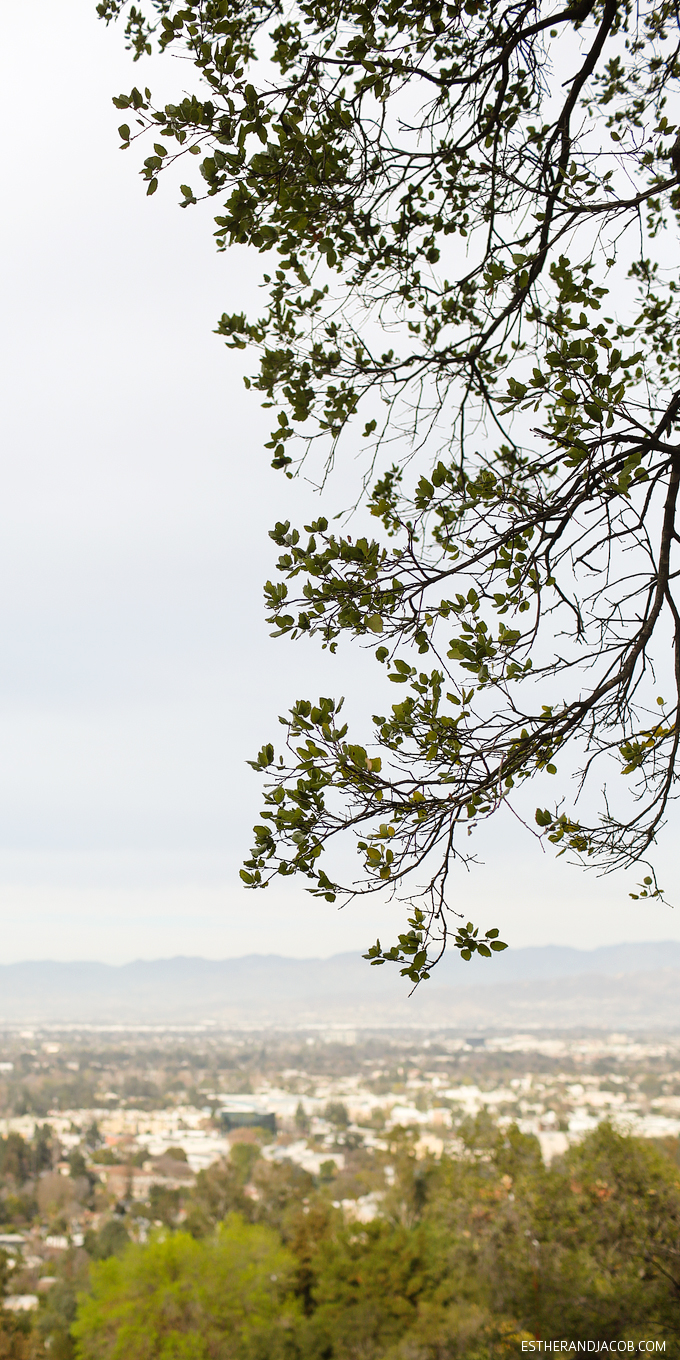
pixel 245 1119
pixel 132 1182
pixel 20 1303
pixel 168 1171
pixel 122 1182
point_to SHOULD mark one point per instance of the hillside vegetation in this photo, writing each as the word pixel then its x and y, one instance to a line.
pixel 468 1256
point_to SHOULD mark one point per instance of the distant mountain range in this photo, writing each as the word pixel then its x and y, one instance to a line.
pixel 629 986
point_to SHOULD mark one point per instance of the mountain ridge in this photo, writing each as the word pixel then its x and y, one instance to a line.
pixel 612 985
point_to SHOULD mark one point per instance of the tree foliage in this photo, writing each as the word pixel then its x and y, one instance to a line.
pixel 469 1256
pixel 15 1339
pixel 224 1296
pixel 465 208
pixel 503 1248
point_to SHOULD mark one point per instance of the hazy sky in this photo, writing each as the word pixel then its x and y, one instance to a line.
pixel 136 672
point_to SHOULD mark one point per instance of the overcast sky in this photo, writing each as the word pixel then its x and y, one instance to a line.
pixel 136 672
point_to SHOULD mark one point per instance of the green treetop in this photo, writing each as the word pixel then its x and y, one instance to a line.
pixel 226 1295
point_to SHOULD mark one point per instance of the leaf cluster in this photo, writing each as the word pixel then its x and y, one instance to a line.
pixel 458 205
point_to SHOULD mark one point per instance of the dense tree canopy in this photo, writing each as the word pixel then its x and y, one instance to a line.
pixel 224 1296
pixel 467 211
pixel 469 1256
